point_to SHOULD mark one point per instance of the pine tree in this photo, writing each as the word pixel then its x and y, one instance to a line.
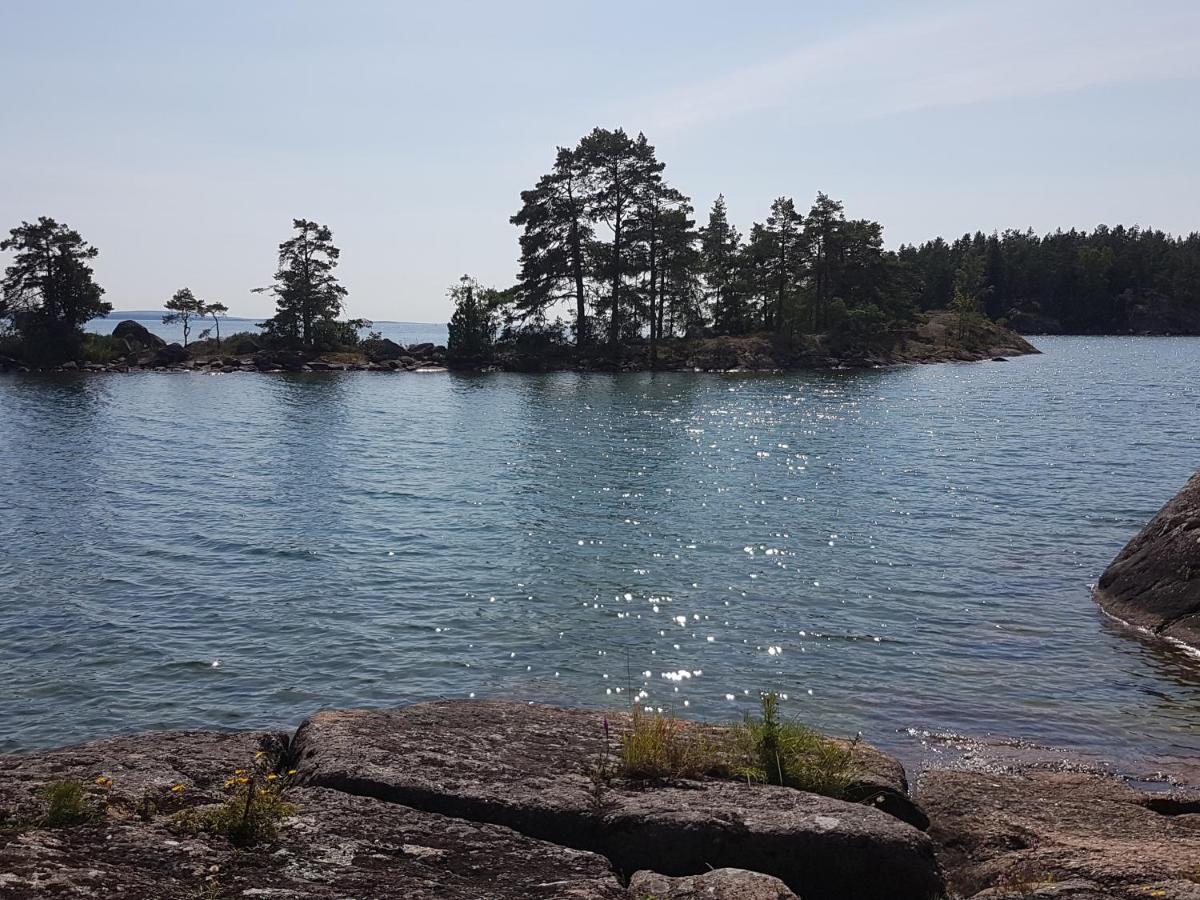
pixel 183 307
pixel 48 292
pixel 782 232
pixel 472 329
pixel 554 239
pixel 308 296
pixel 822 236
pixel 661 220
pixel 619 171
pixel 720 245
pixel 214 311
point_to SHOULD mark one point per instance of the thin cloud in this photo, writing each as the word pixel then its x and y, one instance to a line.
pixel 976 55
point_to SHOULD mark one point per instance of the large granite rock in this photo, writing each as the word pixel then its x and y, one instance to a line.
pixel 170 355
pixel 382 350
pixel 1154 582
pixel 532 768
pixel 1065 835
pixel 137 334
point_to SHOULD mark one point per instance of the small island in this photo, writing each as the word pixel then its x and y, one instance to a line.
pixel 616 275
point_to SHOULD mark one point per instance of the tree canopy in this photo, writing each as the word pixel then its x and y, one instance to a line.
pixel 308 297
pixel 48 292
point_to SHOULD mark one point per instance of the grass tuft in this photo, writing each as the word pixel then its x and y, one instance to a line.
pixel 773 751
pixel 67 804
pixel 658 746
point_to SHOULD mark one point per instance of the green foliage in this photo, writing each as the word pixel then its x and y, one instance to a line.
pixel 1108 280
pixel 472 329
pixel 969 291
pixel 183 307
pixel 251 815
pixel 48 293
pixel 604 232
pixel 241 342
pixel 307 294
pixel 720 263
pixel 67 804
pixel 103 348
pixel 330 334
pixel 769 750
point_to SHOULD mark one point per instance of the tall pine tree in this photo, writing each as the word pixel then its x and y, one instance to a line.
pixel 307 293
pixel 554 238
pixel 48 292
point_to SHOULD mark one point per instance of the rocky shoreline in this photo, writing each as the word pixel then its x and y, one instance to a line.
pixel 936 338
pixel 494 799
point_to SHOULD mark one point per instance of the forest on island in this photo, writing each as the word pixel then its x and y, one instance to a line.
pixel 613 264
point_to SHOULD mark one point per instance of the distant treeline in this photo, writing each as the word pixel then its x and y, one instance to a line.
pixel 1108 281
pixel 611 259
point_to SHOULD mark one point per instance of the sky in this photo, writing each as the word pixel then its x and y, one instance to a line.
pixel 182 138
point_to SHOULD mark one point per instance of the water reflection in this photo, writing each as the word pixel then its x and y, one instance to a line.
pixel 891 549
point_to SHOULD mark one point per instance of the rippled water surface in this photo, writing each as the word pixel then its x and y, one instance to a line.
pixel 895 549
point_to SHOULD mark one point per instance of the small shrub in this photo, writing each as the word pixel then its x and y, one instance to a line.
pixel 67 804
pixel 788 753
pixel 251 815
pixel 104 348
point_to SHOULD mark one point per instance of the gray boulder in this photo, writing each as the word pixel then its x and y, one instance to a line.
pixel 382 350
pixel 137 334
pixel 169 355
pixel 1154 582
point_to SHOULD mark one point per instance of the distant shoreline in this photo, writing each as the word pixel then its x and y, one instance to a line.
pixel 940 337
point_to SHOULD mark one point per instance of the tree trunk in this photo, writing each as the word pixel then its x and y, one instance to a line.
pixel 581 324
pixel 614 325
pixel 653 292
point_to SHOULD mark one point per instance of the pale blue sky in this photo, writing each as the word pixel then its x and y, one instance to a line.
pixel 181 138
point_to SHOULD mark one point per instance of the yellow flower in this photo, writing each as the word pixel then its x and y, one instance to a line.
pixel 104 781
pixel 177 789
pixel 272 777
pixel 243 780
pixel 259 755
pixel 239 771
pixel 229 783
pixel 291 771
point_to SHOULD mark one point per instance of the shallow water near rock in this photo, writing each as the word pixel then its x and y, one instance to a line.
pixel 897 550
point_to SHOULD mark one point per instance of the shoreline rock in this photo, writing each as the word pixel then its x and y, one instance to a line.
pixel 1154 583
pixel 494 799
pixel 458 799
pixel 935 337
pixel 526 767
pixel 1061 834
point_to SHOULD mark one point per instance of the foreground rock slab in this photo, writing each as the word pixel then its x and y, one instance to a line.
pixel 336 846
pixel 1154 582
pixel 719 884
pixel 139 766
pixel 1064 835
pixel 532 768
